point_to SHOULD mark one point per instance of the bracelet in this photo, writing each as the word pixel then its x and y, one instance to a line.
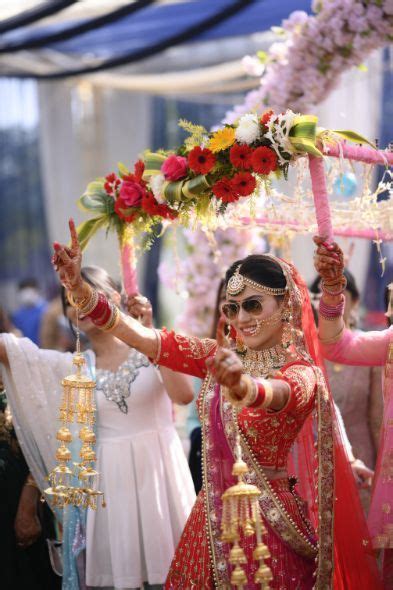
pixel 113 321
pixel 251 393
pixel 342 283
pixel 30 482
pixel 264 395
pixel 87 304
pixel 332 339
pixel 331 312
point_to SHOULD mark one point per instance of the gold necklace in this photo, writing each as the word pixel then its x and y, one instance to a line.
pixel 260 363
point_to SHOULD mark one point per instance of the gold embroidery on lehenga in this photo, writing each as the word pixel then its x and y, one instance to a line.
pixel 195 348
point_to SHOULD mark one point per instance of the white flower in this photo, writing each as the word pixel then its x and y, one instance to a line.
pixel 156 183
pixel 252 65
pixel 247 130
pixel 278 133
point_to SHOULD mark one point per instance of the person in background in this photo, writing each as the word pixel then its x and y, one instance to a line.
pixel 27 318
pixel 193 423
pixel 357 391
pixel 25 522
pixel 342 345
pixel 55 333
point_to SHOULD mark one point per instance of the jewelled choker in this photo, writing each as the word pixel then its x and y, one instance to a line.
pixel 262 362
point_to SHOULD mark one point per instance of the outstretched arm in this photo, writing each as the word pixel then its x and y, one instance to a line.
pixel 339 344
pixel 185 355
pixel 178 386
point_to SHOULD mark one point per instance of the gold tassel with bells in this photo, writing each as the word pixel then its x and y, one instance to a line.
pixel 77 405
pixel 241 512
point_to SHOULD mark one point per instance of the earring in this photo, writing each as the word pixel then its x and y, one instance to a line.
pixel 287 336
pixel 240 346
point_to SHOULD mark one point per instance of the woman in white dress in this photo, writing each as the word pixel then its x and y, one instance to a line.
pixel 144 472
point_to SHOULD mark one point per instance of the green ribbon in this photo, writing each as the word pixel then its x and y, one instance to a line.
pixel 153 162
pixel 174 191
pixel 303 135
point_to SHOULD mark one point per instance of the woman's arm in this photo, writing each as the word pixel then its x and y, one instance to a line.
pixel 338 344
pixel 359 348
pixel 27 525
pixel 375 406
pixel 182 354
pixel 178 386
pixel 243 391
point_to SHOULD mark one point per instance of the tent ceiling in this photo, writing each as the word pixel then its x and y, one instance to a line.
pixel 134 37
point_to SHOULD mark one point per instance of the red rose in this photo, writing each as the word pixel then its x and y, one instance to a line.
pixel 131 193
pixel 240 155
pixel 174 167
pixel 243 183
pixel 264 160
pixel 201 160
pixel 224 190
pixel 266 117
pixel 122 212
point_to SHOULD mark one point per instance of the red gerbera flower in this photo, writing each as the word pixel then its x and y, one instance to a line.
pixel 264 160
pixel 201 160
pixel 240 156
pixel 266 117
pixel 224 190
pixel 243 183
pixel 139 168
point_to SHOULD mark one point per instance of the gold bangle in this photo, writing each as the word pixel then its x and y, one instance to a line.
pixel 113 321
pixel 87 303
pixel 30 482
pixel 247 399
pixel 252 391
pixel 332 339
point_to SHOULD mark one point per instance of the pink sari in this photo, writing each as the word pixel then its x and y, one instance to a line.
pixel 375 348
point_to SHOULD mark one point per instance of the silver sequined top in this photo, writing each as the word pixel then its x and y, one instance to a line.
pixel 117 386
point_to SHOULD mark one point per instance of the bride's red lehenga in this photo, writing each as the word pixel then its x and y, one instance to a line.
pixel 316 533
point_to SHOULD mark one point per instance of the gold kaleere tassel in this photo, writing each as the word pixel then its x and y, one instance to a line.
pixel 77 405
pixel 241 513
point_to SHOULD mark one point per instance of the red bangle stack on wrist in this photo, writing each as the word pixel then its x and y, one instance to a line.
pixel 101 308
pixel 260 397
pixel 331 312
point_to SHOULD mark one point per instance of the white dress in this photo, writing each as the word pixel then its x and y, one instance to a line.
pixel 144 472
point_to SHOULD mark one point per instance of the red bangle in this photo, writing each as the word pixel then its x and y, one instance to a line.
pixel 261 396
pixel 100 309
pixel 104 318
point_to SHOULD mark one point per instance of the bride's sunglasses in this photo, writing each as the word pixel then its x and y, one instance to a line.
pixel 250 306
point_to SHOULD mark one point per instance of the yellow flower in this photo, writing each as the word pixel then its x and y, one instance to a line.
pixel 222 139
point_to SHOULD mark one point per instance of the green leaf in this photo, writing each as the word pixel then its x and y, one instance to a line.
pixel 353 136
pixel 98 202
pixel 95 187
pixel 123 170
pixel 88 228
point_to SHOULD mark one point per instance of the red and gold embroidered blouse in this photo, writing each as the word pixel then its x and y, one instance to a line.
pixel 270 434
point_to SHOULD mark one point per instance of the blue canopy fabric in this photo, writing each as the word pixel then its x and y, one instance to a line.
pixel 159 26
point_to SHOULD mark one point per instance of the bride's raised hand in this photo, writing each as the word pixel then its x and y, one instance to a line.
pixel 67 261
